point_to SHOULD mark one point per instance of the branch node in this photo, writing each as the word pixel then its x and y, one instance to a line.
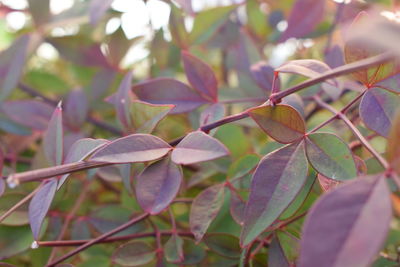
pixel 12 181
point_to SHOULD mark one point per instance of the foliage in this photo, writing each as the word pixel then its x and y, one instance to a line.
pixel 214 149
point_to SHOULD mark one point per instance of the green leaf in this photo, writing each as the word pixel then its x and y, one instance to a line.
pixel 134 253
pixel 173 249
pixel 223 244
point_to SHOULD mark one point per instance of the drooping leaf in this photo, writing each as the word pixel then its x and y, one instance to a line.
pixel 146 116
pixel 278 179
pixel 76 109
pixel 206 23
pixel 12 61
pixel 340 220
pixel 158 185
pixel 122 101
pixel 80 150
pixel 169 91
pixel 330 156
pixel 197 147
pixel 305 16
pixel 135 253
pixel 53 138
pixel 97 8
pixel 378 108
pixel 30 113
pixel 173 249
pixel 132 148
pixel 393 145
pixel 282 122
pixel 40 204
pixel 263 74
pixel 225 245
pixel 200 76
pixel 205 208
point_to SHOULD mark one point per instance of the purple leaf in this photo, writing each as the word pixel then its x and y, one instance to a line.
pixel 307 67
pixel 212 114
pixel 80 150
pixel 2 187
pixel 334 57
pixel 200 76
pixel 76 109
pixel 278 179
pixel 122 101
pixel 31 113
pixel 391 83
pixel 330 156
pixel 237 208
pixel 132 148
pixel 97 8
pixel 303 19
pixel 101 82
pixel 53 138
pixel 158 185
pixel 276 256
pixel 341 220
pixel 12 62
pixel 205 208
pixel 263 75
pixel 169 91
pixel 378 108
pixel 146 116
pixel 40 204
pixel 282 122
pixel 197 147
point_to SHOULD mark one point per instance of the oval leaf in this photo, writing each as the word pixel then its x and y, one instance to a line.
pixel 53 138
pixel 169 91
pixel 134 253
pixel 197 147
pixel 132 148
pixel 278 179
pixel 76 109
pixel 307 67
pixel 122 101
pixel 205 208
pixel 40 204
pixel 330 156
pixel 158 185
pixel 377 110
pixel 340 220
pixel 282 122
pixel 173 249
pixel 225 245
pixel 263 75
pixel 200 76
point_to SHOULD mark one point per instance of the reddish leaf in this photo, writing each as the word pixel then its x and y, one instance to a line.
pixel 307 67
pixel 132 148
pixel 97 8
pixel 169 91
pixel 40 204
pixel 340 220
pixel 200 76
pixel 122 101
pixel 327 184
pixel 263 74
pixel 378 108
pixel 53 138
pixel 205 208
pixel 278 179
pixel 303 19
pixel 198 147
pixel 282 122
pixel 237 208
pixel 76 109
pixel 158 185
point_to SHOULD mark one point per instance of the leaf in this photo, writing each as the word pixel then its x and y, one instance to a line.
pixel 192 253
pixel 122 101
pixel 76 109
pixel 30 113
pixel 40 11
pixel 330 156
pixel 303 19
pixel 377 110
pixel 205 208
pixel 146 116
pixel 290 246
pixel 276 182
pixel 198 147
pixel 2 187
pixel 212 114
pixel 97 8
pixel 307 67
pixel 135 253
pixel 391 83
pixel 282 122
pixel 263 75
pixel 393 144
pixel 118 46
pixel 132 148
pixel 276 256
pixel 12 62
pixel 20 215
pixel 169 91
pixel 225 245
pixel 340 220
pixel 208 21
pixel 237 207
pixel 180 36
pixel 40 204
pixel 242 166
pixel 173 249
pixel 200 76
pixel 80 150
pixel 53 138
pixel 14 240
pixel 158 185
pixel 327 184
